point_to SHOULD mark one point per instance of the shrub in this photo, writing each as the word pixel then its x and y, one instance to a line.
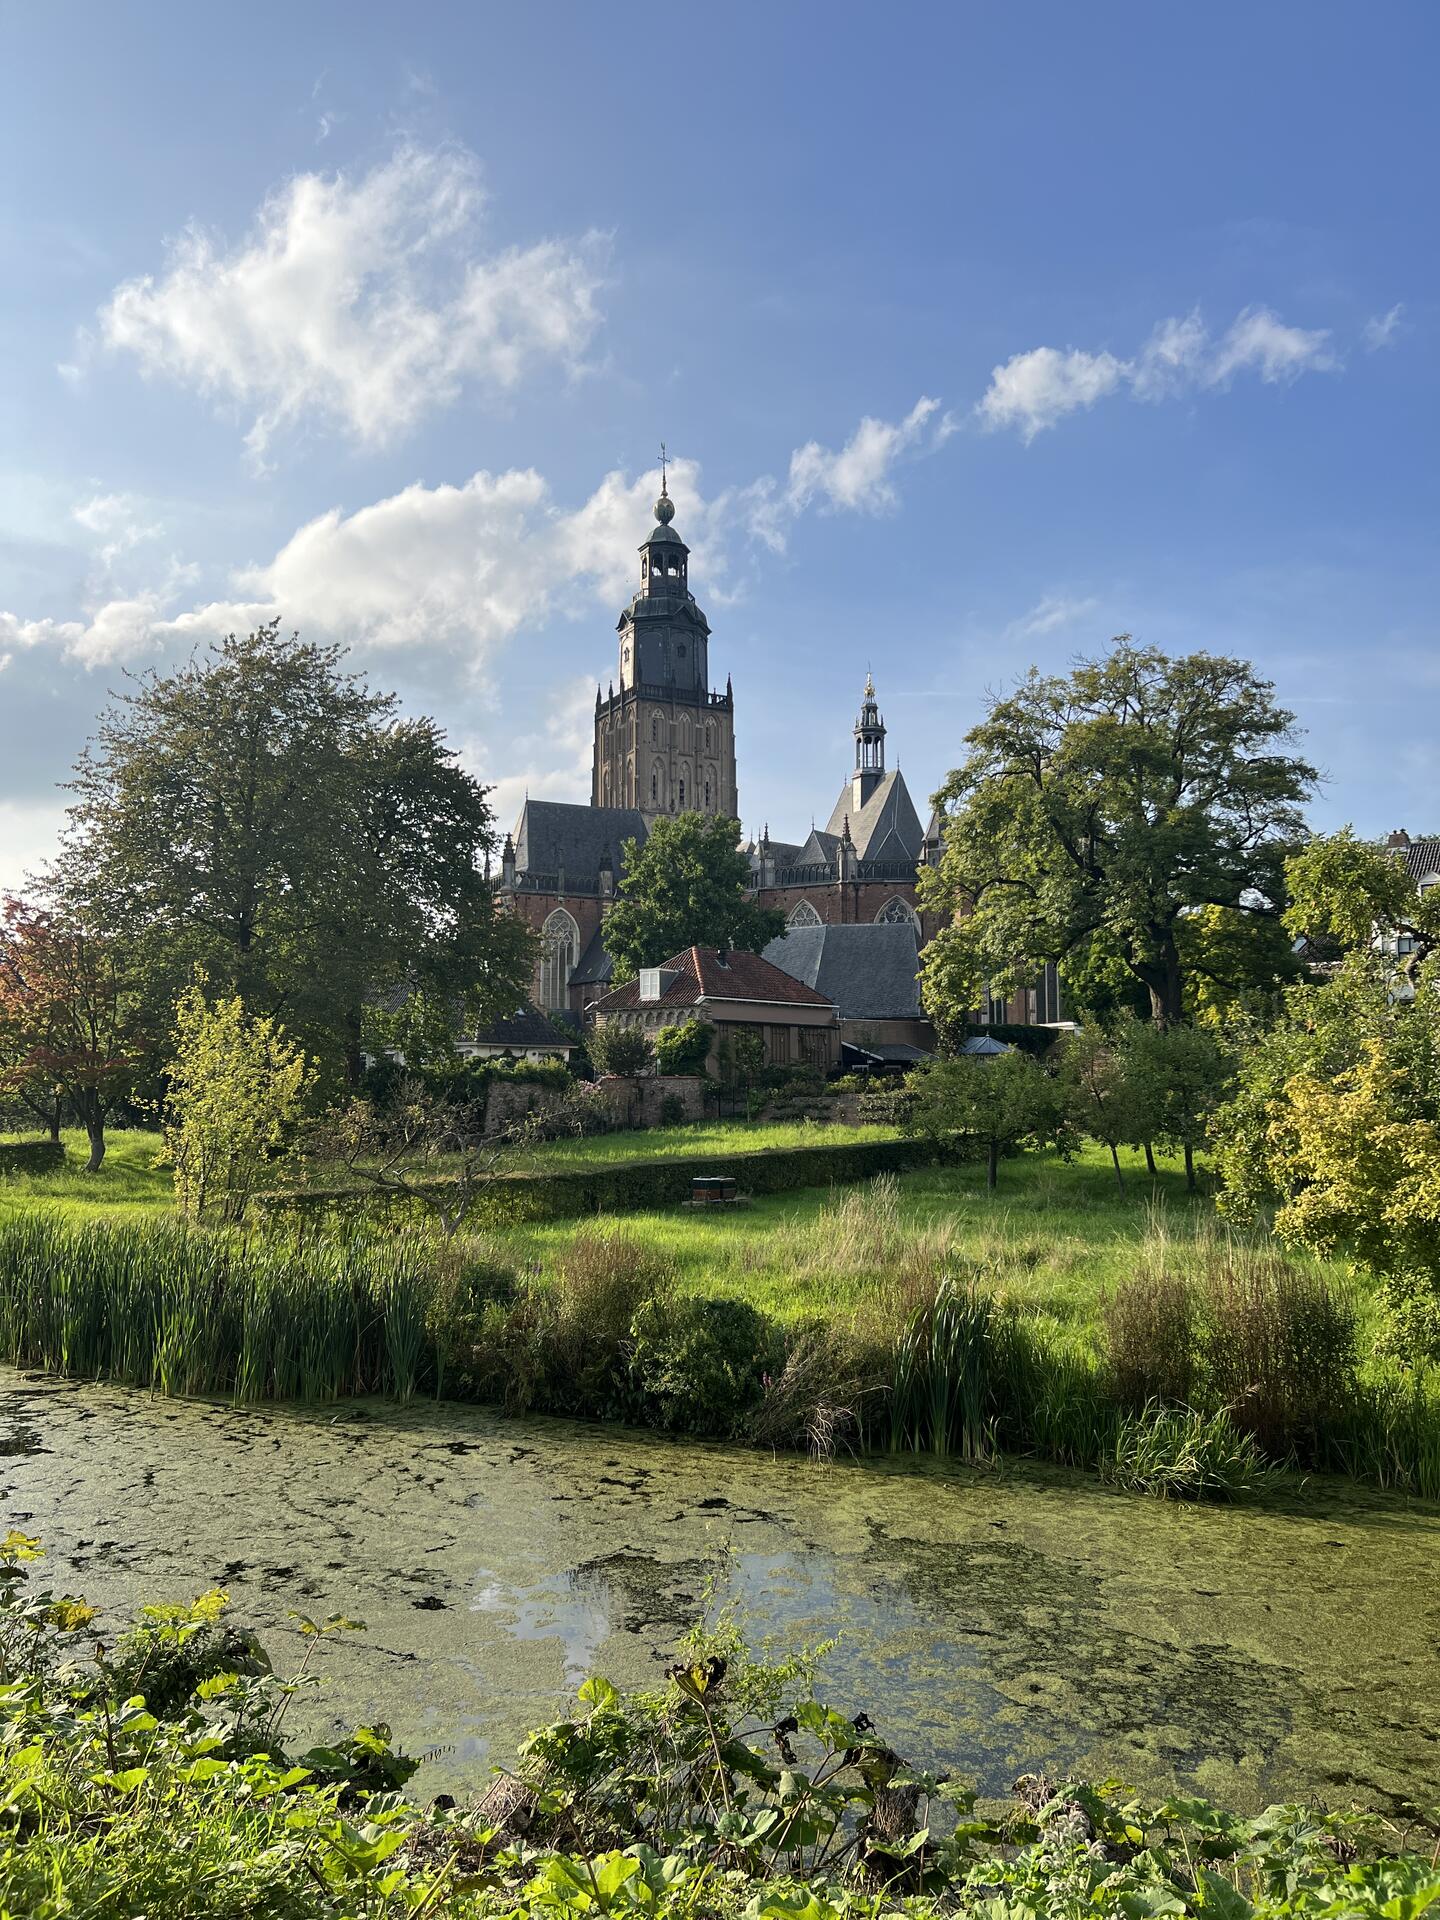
pixel 672 1110
pixel 1277 1346
pixel 31 1156
pixel 1150 1322
pixel 603 1278
pixel 814 1399
pixel 617 1047
pixel 701 1364
pixel 684 1049
pixel 1176 1453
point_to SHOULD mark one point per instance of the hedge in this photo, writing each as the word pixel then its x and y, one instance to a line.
pixel 634 1185
pixel 31 1156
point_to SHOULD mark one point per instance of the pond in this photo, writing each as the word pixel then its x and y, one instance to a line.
pixel 991 1621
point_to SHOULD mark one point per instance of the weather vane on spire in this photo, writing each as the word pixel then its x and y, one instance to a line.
pixel 664 461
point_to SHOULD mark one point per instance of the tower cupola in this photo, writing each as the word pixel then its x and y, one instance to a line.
pixel 869 768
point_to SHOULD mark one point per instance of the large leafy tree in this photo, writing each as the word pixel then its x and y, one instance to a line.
pixel 266 816
pixel 72 1026
pixel 1350 894
pixel 685 888
pixel 1115 802
pixel 1001 1103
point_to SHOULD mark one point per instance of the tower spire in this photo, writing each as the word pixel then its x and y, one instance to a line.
pixel 869 768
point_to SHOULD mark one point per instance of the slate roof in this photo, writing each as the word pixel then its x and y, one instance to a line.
pixel 526 1028
pixel 700 974
pixel 887 827
pixel 1422 858
pixel 867 969
pixel 595 965
pixel 551 834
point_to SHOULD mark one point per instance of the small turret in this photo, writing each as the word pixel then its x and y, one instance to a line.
pixel 869 748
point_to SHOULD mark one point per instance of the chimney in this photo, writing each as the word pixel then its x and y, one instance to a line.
pixel 1399 838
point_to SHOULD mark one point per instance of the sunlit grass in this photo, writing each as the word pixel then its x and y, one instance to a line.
pixel 128 1186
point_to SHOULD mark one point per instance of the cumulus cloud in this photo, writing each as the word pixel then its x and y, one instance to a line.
pixel 29 834
pixel 1036 390
pixel 1384 329
pixel 458 569
pixel 857 478
pixel 359 300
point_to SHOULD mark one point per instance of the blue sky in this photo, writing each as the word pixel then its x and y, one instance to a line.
pixel 978 334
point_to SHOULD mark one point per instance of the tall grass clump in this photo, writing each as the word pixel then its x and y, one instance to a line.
pixel 183 1310
pixel 1175 1453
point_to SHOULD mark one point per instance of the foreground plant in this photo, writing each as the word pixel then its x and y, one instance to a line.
pixel 149 1776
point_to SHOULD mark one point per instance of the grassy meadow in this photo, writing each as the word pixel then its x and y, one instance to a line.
pixel 1054 1238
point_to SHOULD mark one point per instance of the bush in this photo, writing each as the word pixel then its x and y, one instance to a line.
pixel 31 1156
pixel 1150 1323
pixel 603 1279
pixel 1277 1347
pixel 701 1364
pixel 672 1110
pixel 617 1047
pixel 683 1050
pixel 1176 1453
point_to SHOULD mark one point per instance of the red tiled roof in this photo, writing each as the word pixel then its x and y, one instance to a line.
pixel 700 974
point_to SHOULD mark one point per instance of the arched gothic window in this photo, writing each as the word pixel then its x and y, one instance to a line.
pixel 654 729
pixel 803 915
pixel 560 949
pixel 654 784
pixel 898 913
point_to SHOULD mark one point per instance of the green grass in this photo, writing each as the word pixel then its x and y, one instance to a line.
pixel 718 1137
pixel 129 1185
pixel 1056 1232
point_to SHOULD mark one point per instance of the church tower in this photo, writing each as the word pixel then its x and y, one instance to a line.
pixel 869 748
pixel 664 743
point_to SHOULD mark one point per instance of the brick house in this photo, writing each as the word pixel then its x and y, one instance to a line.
pixel 735 993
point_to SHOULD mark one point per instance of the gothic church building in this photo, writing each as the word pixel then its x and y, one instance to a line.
pixel 665 743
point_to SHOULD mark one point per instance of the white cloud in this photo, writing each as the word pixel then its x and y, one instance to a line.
pixel 1260 342
pixel 1384 329
pixel 457 570
pixel 118 521
pixel 1035 390
pixel 29 837
pixel 553 764
pixel 1049 613
pixel 359 300
pixel 857 478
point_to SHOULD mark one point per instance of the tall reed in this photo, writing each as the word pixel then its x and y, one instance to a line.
pixel 188 1311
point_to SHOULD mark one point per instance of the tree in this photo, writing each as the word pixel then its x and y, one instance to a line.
pixel 72 1030
pixel 1099 1095
pixel 1177 1077
pixel 1116 801
pixel 239 1092
pixel 1002 1103
pixel 1335 1122
pixel 263 815
pixel 425 1148
pixel 1350 894
pixel 619 1048
pixel 685 888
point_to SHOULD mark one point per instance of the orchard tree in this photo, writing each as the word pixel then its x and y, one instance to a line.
pixel 72 1027
pixel 685 888
pixel 239 1093
pixel 1099 1095
pixel 1002 1102
pixel 1113 801
pixel 1176 1079
pixel 263 815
